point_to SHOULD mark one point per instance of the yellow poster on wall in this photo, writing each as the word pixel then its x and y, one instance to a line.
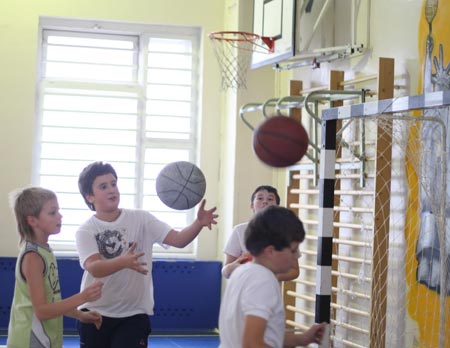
pixel 424 285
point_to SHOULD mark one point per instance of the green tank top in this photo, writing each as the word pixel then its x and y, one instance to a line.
pixel 25 330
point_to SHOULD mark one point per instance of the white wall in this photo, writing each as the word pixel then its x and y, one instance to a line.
pixel 393 33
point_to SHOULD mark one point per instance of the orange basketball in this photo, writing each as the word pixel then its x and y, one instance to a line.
pixel 280 141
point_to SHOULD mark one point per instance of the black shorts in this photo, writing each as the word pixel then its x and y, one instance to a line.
pixel 130 332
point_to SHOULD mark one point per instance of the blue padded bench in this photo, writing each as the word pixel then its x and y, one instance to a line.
pixel 187 294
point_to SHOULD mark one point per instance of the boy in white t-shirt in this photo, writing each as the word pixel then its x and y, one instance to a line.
pixel 235 251
pixel 252 312
pixel 115 245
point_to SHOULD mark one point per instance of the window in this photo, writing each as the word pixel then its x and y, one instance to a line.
pixel 126 96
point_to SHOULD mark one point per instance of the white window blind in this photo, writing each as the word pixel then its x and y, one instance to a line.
pixel 127 99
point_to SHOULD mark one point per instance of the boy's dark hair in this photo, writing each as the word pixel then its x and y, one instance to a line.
pixel 88 175
pixel 274 225
pixel 268 189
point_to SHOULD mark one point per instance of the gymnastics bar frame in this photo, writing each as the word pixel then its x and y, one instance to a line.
pixel 296 87
pixel 324 257
pixel 336 95
pixel 328 165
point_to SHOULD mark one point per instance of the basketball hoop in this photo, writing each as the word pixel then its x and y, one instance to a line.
pixel 233 50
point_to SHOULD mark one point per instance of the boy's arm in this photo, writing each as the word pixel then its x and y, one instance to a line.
pixel 182 238
pixel 253 334
pixel 32 268
pixel 99 267
pixel 231 263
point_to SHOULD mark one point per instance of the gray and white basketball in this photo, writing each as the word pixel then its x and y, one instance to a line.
pixel 180 185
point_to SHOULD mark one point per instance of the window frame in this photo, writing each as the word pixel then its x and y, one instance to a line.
pixel 143 32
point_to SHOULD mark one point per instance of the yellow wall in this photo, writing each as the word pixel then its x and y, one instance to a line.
pixel 231 170
pixel 240 171
pixel 18 44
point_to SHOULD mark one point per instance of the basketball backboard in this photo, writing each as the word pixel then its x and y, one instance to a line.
pixel 276 19
pixel 307 31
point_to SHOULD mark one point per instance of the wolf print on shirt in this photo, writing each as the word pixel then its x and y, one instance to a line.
pixel 112 243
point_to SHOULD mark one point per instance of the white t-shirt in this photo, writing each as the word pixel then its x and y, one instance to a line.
pixel 252 290
pixel 236 243
pixel 126 292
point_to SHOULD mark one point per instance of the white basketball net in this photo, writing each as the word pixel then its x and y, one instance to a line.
pixel 233 51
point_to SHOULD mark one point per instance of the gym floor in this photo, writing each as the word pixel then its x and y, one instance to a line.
pixel 209 341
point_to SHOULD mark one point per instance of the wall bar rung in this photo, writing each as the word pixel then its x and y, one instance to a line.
pixel 351 293
pixel 340 224
pixel 340 208
pixel 350 327
pixel 301 296
pixel 340 257
pixel 297 325
pixel 350 276
pixel 350 310
pixel 305 282
pixel 307 267
pixel 346 342
pixel 304 176
pixel 352 243
pixel 300 311
pixel 337 192
pixel 345 242
pixel 336 290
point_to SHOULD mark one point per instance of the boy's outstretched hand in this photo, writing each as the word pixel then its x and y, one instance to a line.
pixel 206 217
pixel 180 239
pixel 132 260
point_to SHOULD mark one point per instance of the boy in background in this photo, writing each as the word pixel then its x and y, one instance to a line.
pixel 235 251
pixel 37 308
pixel 252 312
pixel 115 244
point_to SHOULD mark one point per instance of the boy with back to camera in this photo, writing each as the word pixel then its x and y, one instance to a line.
pixel 235 251
pixel 37 308
pixel 115 244
pixel 252 311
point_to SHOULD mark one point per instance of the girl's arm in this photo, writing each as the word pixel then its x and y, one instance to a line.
pixel 253 334
pixel 32 268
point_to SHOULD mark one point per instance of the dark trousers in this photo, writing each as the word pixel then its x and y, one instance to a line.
pixel 129 332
